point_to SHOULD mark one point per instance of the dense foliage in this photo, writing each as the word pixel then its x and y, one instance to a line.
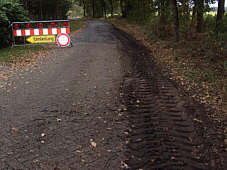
pixel 10 11
pixel 168 17
pixel 47 9
pixel 176 15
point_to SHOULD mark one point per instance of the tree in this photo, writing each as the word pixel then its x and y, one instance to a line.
pixel 45 10
pixel 10 11
pixel 111 4
pixel 200 10
pixel 176 18
pixel 220 14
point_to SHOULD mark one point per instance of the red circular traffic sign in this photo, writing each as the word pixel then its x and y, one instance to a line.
pixel 63 40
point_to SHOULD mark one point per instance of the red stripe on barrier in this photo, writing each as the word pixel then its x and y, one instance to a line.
pixel 58 30
pixel 32 32
pixel 40 31
pixel 22 32
pixel 68 30
pixel 15 33
pixel 49 31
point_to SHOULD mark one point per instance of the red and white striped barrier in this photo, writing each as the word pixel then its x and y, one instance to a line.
pixel 41 31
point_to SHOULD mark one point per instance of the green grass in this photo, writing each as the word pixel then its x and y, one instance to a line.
pixel 76 25
pixel 8 55
pixel 12 54
pixel 211 13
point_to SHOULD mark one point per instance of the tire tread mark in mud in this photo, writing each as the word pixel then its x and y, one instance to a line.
pixel 160 135
pixel 162 131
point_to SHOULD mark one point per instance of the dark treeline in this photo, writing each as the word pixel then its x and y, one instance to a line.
pixel 186 13
pixel 98 8
pixel 177 15
pixel 47 9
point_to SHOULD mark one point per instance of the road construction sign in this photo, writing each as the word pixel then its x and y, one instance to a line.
pixel 41 39
pixel 63 40
pixel 41 33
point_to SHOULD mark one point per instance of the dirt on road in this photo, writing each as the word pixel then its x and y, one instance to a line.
pixel 103 105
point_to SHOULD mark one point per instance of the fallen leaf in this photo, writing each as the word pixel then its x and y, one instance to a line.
pixel 35 161
pixel 58 120
pixel 197 120
pixel 124 165
pixel 14 129
pixel 93 144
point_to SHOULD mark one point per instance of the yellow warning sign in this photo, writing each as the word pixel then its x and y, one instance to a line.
pixel 42 39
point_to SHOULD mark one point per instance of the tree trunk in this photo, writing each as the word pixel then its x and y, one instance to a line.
pixel 186 11
pixel 194 12
pixel 84 8
pixel 123 11
pixel 41 10
pixel 220 14
pixel 176 18
pixel 111 3
pixel 200 9
pixel 162 13
pixel 104 8
pixel 93 8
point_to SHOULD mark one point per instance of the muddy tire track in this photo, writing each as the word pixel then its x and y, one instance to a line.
pixel 162 133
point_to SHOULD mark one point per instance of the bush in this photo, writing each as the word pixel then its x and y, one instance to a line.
pixel 10 12
pixel 209 22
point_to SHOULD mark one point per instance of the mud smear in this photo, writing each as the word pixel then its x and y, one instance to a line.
pixel 167 129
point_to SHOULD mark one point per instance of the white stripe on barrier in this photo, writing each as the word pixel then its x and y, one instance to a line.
pixel 45 31
pixel 63 30
pixel 36 31
pixel 42 31
pixel 18 32
pixel 27 32
pixel 54 31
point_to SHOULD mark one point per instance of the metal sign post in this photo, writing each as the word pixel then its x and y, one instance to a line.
pixel 41 33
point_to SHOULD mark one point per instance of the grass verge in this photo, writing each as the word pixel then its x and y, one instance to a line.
pixel 77 25
pixel 11 55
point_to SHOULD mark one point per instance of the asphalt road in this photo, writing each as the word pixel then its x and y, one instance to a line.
pixel 102 105
pixel 63 112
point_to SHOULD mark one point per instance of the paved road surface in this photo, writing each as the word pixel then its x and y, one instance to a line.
pixel 102 105
pixel 63 113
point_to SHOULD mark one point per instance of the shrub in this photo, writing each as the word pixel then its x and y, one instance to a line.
pixel 10 12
